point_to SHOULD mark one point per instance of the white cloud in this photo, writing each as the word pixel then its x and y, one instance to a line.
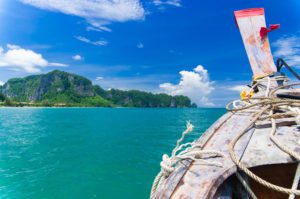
pixel 1 83
pixel 140 45
pixel 98 29
pixel 57 64
pixel 194 84
pixel 19 59
pixel 88 41
pixel 99 78
pixel 288 48
pixel 96 12
pixel 238 88
pixel 176 3
pixel 77 57
pixel 98 26
pixel 12 46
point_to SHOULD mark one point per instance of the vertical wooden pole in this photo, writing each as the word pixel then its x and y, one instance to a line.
pixel 250 22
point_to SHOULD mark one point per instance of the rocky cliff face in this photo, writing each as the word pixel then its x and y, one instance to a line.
pixel 37 87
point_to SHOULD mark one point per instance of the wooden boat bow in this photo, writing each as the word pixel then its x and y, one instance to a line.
pixel 259 135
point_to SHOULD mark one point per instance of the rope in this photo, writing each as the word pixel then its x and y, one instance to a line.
pixel 277 142
pixel 296 181
pixel 296 111
pixel 268 87
pixel 192 151
pixel 263 102
pixel 245 185
pixel 240 165
pixel 279 115
pixel 285 86
pixel 267 104
pixel 188 151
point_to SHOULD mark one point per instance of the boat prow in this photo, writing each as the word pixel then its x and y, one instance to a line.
pixel 253 150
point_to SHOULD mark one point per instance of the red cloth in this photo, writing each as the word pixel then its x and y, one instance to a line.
pixel 264 31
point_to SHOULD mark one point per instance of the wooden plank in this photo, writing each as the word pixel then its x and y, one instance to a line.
pixel 262 151
pixel 279 123
pixel 284 174
pixel 194 180
pixel 166 190
pixel 250 22
pixel 202 181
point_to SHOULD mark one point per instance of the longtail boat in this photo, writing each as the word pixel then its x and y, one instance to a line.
pixel 252 151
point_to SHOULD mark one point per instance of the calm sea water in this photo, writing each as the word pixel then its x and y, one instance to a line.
pixel 62 153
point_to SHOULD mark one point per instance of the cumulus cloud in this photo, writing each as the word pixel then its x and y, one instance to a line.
pixel 176 3
pixel 140 45
pixel 194 84
pixel 77 57
pixel 288 48
pixel 88 41
pixel 1 83
pixel 17 58
pixel 96 12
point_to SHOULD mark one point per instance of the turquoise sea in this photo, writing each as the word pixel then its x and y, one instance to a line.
pixel 70 153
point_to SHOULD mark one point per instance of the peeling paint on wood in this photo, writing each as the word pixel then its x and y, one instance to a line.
pixel 191 180
pixel 258 49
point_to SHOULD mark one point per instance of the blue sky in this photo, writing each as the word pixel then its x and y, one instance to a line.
pixel 147 45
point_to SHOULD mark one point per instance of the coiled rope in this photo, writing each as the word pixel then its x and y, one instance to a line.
pixel 264 105
pixel 268 105
pixel 187 151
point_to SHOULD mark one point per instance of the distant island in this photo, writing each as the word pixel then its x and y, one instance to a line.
pixel 63 89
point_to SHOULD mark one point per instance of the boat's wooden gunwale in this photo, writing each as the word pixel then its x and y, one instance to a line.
pixel 254 148
pixel 201 181
pixel 167 189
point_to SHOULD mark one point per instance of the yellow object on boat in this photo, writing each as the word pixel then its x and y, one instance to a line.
pixel 246 94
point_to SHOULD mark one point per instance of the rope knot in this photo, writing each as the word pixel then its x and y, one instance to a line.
pixel 187 151
pixel 166 165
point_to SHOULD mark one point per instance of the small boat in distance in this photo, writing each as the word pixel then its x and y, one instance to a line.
pixel 253 151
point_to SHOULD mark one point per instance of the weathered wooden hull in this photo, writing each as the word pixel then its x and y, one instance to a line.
pixel 232 188
pixel 264 151
pixel 192 180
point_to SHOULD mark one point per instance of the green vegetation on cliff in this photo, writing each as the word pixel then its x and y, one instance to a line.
pixel 58 88
pixel 135 98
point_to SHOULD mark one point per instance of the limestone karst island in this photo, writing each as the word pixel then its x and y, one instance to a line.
pixel 62 89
